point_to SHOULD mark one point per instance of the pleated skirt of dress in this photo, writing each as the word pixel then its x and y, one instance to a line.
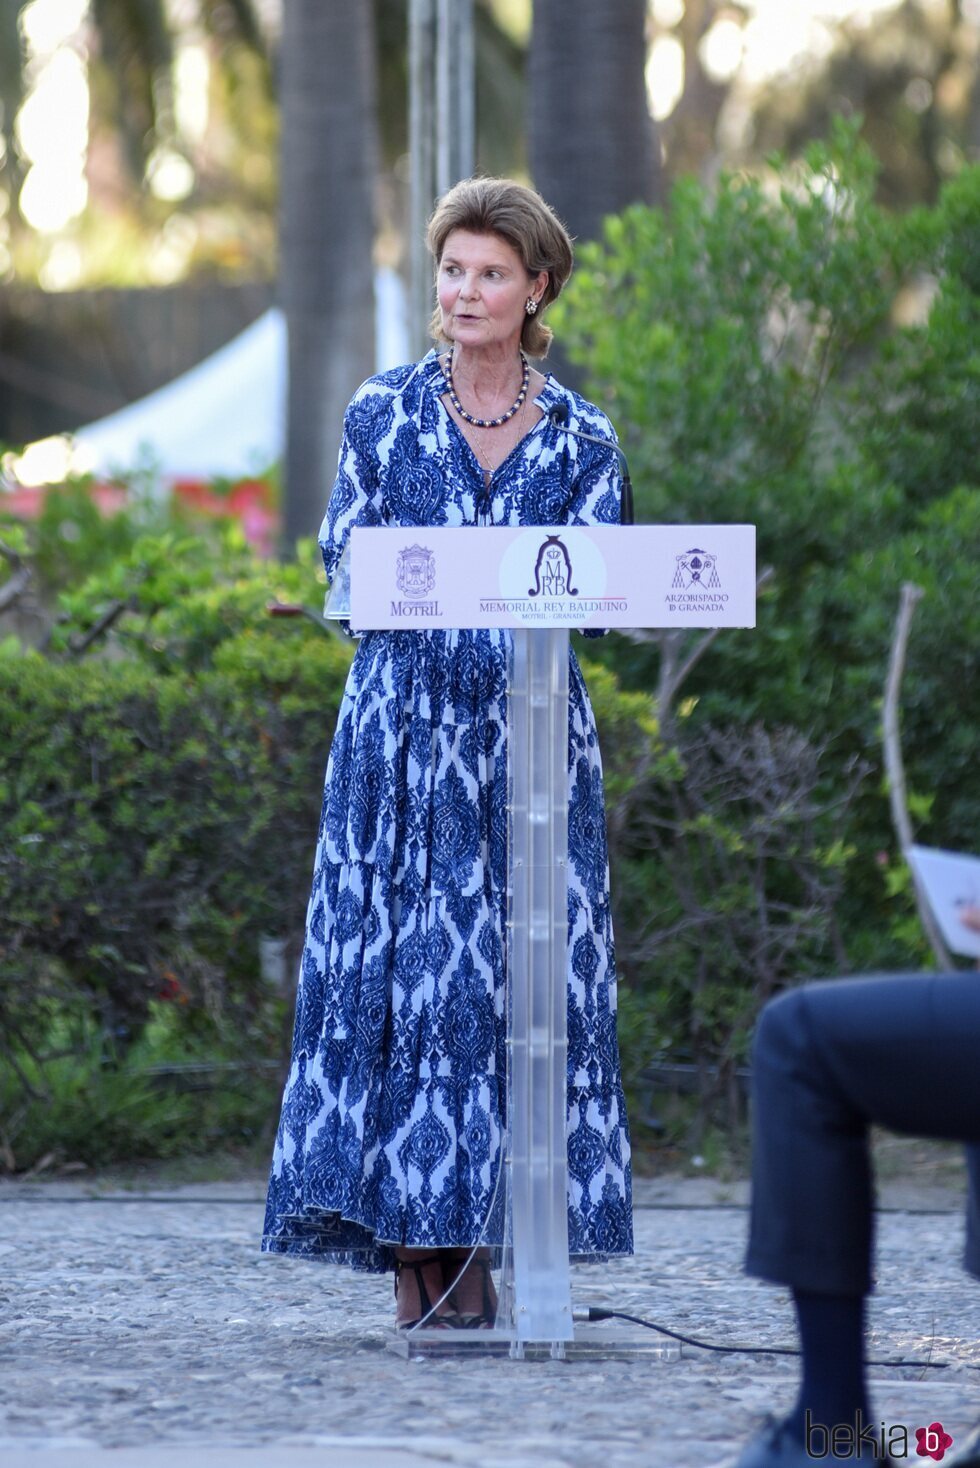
pixel 394 1108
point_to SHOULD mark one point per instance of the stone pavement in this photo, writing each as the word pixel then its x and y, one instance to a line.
pixel 145 1330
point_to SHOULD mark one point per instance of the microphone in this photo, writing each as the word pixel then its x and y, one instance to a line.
pixel 558 418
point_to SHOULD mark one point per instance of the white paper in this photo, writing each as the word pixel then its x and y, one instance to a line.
pixel 951 883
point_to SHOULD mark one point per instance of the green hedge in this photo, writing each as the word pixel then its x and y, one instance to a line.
pixel 753 343
pixel 157 823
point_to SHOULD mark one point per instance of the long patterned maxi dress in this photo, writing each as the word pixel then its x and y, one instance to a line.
pixel 394 1107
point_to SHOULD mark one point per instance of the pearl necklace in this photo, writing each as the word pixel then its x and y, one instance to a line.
pixel 487 422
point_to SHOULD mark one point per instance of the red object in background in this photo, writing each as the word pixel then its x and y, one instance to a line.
pixel 109 498
pixel 248 501
pixel 27 501
pixel 23 503
pixel 199 495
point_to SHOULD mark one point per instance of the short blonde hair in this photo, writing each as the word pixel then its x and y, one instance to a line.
pixel 519 215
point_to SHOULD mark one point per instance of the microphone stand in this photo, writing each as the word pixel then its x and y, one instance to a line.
pixel 558 418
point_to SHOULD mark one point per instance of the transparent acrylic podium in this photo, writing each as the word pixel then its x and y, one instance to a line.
pixel 535 1289
pixel 535 1317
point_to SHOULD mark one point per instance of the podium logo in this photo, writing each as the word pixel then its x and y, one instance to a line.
pixel 696 586
pixel 415 574
pixel 539 585
pixel 553 570
pixel 697 568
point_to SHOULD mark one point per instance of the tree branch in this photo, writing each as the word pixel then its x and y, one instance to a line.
pixel 671 676
pixel 78 645
pixel 20 577
pixel 894 766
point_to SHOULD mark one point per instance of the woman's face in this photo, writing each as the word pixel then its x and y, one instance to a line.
pixel 482 287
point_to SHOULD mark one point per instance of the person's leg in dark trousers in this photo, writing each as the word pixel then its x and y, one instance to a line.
pixel 829 1060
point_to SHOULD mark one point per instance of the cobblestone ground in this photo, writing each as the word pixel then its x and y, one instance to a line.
pixel 151 1322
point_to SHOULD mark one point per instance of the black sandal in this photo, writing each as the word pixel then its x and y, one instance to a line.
pixel 486 1318
pixel 435 1322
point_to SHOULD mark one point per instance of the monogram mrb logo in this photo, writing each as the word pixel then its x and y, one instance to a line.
pixel 553 570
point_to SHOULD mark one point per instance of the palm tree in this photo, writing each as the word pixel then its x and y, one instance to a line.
pixel 329 152
pixel 11 89
pixel 592 142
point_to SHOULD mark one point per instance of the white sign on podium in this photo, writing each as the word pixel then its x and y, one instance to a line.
pixel 553 576
pixel 541 581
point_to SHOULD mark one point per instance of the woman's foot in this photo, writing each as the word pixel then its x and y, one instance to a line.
pixel 418 1288
pixel 472 1290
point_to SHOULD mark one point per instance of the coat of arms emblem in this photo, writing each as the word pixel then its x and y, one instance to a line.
pixel 698 568
pixel 415 573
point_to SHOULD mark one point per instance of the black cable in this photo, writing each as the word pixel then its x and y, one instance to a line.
pixel 594 1312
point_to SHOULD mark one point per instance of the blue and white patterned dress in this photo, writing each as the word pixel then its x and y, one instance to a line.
pixel 393 1110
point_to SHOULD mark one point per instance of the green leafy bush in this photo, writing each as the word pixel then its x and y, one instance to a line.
pixel 748 341
pixel 169 1095
pixel 160 786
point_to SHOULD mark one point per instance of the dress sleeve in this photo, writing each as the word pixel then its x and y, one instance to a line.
pixel 356 495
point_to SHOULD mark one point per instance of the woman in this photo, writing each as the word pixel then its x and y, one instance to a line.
pixel 388 1149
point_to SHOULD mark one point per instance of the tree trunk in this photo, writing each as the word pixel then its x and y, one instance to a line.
pixel 592 143
pixel 691 131
pixel 329 154
pixel 593 146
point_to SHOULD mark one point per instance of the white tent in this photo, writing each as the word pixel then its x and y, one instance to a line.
pixel 226 416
